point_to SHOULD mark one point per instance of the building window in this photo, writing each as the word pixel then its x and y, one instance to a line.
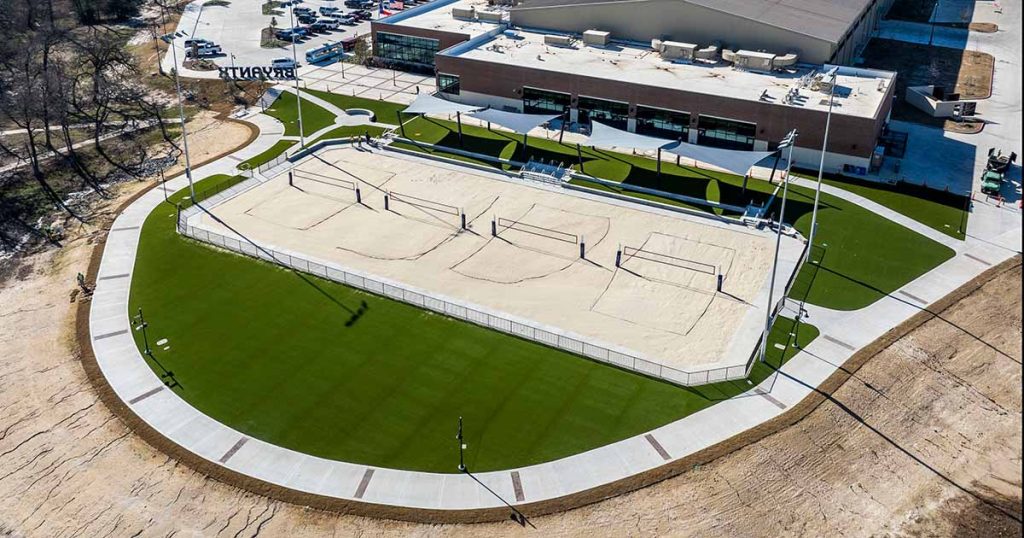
pixel 723 133
pixel 448 83
pixel 612 113
pixel 663 123
pixel 406 49
pixel 544 102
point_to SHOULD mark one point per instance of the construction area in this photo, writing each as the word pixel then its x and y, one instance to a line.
pixel 579 264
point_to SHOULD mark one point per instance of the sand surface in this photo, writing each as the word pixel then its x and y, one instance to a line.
pixel 661 304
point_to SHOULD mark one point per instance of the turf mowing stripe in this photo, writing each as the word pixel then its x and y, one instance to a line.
pixel 111 277
pixel 913 297
pixel 231 451
pixel 517 485
pixel 108 335
pixel 770 398
pixel 125 228
pixel 977 259
pixel 363 483
pixel 145 395
pixel 657 446
pixel 838 342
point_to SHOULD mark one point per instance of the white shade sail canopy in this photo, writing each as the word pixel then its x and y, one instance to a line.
pixel 426 103
pixel 606 136
pixel 520 123
pixel 734 160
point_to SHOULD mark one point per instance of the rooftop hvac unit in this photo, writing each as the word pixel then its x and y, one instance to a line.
pixel 786 60
pixel 821 83
pixel 489 16
pixel 597 38
pixel 754 61
pixel 674 50
pixel 464 13
pixel 729 55
pixel 558 40
pixel 709 53
pixel 656 44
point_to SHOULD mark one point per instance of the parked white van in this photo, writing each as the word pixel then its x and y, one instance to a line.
pixel 284 63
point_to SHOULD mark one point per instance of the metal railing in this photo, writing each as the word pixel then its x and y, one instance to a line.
pixel 571 343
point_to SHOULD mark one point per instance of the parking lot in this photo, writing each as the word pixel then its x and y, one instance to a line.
pixel 237 27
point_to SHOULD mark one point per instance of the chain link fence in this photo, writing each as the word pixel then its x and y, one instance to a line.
pixel 523 329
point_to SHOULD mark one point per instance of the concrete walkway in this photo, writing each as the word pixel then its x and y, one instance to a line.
pixel 994 235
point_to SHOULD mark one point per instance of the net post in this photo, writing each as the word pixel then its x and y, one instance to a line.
pixel 290 182
pixel 463 218
pixel 494 228
pixel 359 195
pixel 386 205
pixel 583 248
pixel 618 257
pixel 721 278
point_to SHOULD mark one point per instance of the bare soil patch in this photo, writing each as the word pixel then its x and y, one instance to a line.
pixel 983 27
pixel 966 72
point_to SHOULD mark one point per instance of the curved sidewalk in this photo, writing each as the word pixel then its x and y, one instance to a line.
pixel 143 392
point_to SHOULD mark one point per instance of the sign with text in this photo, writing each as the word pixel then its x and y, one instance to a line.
pixel 257 73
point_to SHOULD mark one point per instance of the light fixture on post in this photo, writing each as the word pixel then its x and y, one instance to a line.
pixel 831 77
pixel 169 39
pixel 786 144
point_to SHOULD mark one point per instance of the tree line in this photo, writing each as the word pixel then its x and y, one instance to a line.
pixel 69 91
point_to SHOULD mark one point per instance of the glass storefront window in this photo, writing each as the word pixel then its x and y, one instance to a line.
pixel 663 123
pixel 611 113
pixel 545 102
pixel 406 49
pixel 723 133
pixel 448 83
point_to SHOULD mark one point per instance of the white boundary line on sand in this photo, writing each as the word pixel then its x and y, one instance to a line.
pixel 143 392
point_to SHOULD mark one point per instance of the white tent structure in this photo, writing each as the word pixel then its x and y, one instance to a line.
pixel 426 103
pixel 738 162
pixel 605 136
pixel 517 122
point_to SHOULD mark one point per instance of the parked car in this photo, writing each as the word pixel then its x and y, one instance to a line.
pixel 306 18
pixel 284 63
pixel 287 34
pixel 303 11
pixel 203 51
pixel 343 18
pixel 197 41
pixel 327 10
pixel 358 4
pixel 324 25
pixel 362 15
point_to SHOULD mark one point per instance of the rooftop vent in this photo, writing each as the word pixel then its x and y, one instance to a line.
pixel 597 38
pixel 557 40
pixel 754 61
pixel 674 50
pixel 464 13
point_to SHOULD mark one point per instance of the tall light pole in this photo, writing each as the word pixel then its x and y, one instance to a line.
pixel 788 143
pixel 169 39
pixel 298 96
pixel 831 76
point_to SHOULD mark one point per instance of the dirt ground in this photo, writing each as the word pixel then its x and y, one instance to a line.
pixel 966 72
pixel 924 440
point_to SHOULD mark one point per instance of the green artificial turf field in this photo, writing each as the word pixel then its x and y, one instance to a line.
pixel 270 154
pixel 858 256
pixel 285 357
pixel 286 109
